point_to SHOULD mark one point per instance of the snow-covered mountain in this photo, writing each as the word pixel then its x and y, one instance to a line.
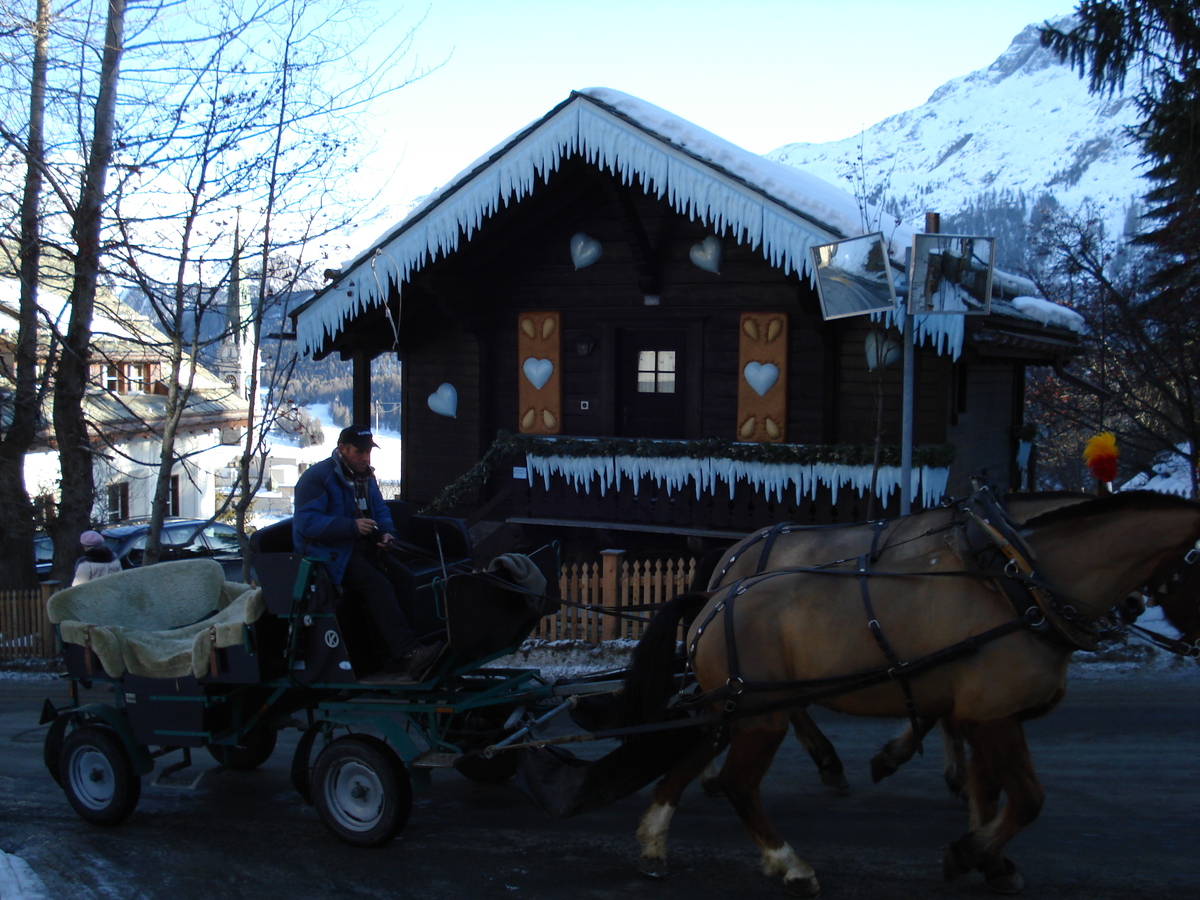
pixel 989 149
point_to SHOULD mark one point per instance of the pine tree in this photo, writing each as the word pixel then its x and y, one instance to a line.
pixel 1157 42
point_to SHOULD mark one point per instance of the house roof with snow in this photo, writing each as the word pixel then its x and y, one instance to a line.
pixel 775 208
pixel 120 335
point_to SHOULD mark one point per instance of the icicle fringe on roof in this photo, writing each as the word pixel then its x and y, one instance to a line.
pixel 693 187
pixel 703 474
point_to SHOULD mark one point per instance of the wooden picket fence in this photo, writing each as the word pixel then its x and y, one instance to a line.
pixel 613 583
pixel 25 629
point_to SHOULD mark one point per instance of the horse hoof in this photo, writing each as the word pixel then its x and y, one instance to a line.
pixel 953 864
pixel 1006 881
pixel 652 867
pixel 882 766
pixel 803 887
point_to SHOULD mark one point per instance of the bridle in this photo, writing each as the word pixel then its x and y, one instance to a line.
pixel 1182 573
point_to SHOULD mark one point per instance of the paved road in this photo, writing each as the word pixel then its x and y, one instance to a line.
pixel 1119 760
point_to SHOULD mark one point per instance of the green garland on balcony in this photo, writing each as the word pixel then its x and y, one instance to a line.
pixel 937 456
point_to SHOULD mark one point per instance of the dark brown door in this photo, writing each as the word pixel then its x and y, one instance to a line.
pixel 651 392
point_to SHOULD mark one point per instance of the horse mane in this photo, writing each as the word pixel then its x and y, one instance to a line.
pixel 1126 501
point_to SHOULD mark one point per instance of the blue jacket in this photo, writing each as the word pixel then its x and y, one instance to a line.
pixel 323 525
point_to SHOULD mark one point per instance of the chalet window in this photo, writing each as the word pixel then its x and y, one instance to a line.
pixel 139 377
pixel 114 379
pixel 656 372
pixel 118 501
pixel 175 496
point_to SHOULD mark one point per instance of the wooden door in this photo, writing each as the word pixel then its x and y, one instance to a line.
pixel 651 383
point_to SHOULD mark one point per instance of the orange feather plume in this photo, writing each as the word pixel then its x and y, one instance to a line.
pixel 1101 454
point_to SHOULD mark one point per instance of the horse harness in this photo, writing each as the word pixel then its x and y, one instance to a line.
pixel 991 538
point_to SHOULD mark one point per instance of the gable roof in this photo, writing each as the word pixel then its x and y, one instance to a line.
pixel 774 207
pixel 769 205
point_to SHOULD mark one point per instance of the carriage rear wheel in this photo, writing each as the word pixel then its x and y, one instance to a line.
pixel 97 775
pixel 257 749
pixel 361 790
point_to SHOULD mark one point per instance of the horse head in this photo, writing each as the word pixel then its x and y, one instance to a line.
pixel 1136 541
pixel 1177 593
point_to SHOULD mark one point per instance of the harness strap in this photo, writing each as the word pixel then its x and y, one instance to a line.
pixel 768 544
pixel 1173 645
pixel 886 647
pixel 877 529
pixel 812 689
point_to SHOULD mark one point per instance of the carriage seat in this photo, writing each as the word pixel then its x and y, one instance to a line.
pixel 157 621
pixel 421 534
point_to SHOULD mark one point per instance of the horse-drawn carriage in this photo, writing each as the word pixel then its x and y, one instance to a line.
pixel 198 662
pixel 962 614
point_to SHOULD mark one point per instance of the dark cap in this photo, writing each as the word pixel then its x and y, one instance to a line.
pixel 359 436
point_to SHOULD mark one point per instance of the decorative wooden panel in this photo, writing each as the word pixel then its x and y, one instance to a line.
pixel 762 378
pixel 539 376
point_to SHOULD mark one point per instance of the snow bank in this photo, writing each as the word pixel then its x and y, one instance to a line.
pixel 18 881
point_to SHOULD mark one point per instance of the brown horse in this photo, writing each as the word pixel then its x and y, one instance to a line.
pixel 888 540
pixel 788 629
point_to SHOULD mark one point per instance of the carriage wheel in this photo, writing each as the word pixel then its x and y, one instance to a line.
pixel 260 744
pixel 499 768
pixel 361 790
pixel 97 775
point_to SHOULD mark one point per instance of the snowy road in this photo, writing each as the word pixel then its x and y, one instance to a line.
pixel 1119 761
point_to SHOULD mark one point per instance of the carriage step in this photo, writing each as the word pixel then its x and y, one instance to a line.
pixel 432 759
pixel 175 778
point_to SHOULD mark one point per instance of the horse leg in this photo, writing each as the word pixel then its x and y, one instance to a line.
pixel 710 779
pixel 750 755
pixel 821 749
pixel 656 820
pixel 954 755
pixel 1000 762
pixel 899 750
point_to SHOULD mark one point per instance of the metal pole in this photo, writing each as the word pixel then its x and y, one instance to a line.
pixel 932 226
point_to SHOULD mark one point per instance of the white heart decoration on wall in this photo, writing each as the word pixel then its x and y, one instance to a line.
pixel 444 401
pixel 761 376
pixel 707 254
pixel 538 371
pixel 584 250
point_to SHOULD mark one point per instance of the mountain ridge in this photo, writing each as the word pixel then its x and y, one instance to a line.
pixel 993 151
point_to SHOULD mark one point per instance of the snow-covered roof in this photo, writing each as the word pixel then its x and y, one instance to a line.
pixel 774 207
pixel 771 206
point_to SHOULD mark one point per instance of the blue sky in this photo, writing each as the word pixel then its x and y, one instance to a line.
pixel 760 73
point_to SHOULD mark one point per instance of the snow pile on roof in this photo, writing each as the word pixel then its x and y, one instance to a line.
pixel 769 205
pixel 1049 313
pixel 1170 474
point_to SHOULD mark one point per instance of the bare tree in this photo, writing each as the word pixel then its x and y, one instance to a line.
pixel 16 511
pixel 1141 347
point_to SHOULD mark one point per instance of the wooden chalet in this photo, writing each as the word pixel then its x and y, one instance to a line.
pixel 628 301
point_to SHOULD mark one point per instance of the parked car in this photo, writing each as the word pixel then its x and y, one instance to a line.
pixel 181 539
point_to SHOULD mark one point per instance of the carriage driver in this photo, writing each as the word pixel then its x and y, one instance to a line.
pixel 341 518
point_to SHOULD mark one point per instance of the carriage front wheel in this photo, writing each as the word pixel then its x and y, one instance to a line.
pixel 361 790
pixel 97 775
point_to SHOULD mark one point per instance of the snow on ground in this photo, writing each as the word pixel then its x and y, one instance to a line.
pixel 18 881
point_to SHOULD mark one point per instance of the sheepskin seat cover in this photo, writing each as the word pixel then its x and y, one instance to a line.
pixel 157 621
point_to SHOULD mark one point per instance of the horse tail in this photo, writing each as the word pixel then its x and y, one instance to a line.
pixel 650 679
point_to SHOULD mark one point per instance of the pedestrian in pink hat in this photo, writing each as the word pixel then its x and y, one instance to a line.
pixel 97 560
